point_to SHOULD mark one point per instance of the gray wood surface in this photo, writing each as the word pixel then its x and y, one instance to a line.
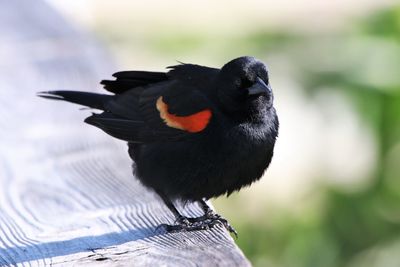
pixel 67 195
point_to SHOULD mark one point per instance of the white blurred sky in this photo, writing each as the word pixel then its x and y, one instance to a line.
pixel 316 137
pixel 223 13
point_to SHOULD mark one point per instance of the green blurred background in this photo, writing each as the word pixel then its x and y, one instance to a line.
pixel 331 196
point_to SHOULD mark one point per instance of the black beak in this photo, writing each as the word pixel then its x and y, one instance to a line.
pixel 259 88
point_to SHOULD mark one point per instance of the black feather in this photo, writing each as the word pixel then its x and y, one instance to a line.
pixel 92 100
pixel 141 75
pixel 154 112
pixel 118 127
pixel 119 86
pixel 131 79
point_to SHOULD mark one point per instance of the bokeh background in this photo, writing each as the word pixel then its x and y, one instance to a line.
pixel 331 196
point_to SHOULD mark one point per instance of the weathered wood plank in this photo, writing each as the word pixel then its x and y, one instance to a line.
pixel 67 195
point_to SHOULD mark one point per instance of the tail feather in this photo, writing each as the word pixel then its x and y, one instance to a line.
pixel 92 100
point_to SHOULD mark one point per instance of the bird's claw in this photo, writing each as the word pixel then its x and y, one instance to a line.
pixel 183 227
pixel 220 220
pixel 205 222
pixel 211 219
pixel 182 220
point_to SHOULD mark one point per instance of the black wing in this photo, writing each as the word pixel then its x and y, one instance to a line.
pixel 150 106
pixel 189 73
pixel 147 114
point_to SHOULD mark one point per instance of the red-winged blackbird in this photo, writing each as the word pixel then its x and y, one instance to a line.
pixel 193 132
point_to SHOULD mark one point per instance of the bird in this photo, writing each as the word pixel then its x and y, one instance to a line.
pixel 193 132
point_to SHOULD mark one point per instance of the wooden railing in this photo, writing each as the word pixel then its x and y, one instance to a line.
pixel 67 194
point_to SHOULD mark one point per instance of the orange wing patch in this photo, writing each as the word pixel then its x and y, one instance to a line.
pixel 193 123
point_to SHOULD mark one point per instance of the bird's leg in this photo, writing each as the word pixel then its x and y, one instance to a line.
pixel 210 219
pixel 182 221
pixel 179 217
pixel 207 210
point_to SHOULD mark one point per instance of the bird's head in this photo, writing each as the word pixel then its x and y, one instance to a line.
pixel 243 87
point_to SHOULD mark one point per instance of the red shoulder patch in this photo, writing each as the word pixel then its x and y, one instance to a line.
pixel 194 123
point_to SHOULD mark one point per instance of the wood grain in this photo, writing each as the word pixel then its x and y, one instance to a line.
pixel 67 194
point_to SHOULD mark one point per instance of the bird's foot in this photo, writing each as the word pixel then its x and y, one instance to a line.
pixel 183 224
pixel 211 219
pixel 205 222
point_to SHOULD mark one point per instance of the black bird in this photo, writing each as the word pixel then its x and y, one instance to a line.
pixel 194 132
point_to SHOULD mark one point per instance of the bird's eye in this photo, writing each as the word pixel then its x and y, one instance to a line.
pixel 245 83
